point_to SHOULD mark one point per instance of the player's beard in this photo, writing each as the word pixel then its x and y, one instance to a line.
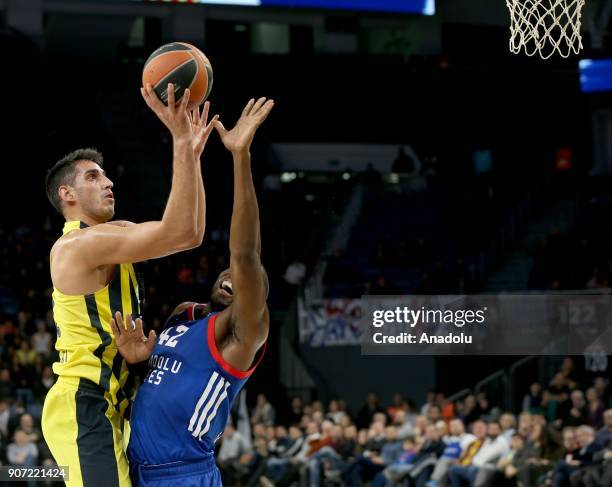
pixel 100 213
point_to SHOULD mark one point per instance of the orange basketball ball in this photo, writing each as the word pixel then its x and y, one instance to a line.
pixel 185 66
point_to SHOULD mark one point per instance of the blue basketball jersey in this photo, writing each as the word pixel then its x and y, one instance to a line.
pixel 183 405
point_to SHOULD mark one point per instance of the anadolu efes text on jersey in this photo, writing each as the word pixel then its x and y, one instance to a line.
pixel 182 407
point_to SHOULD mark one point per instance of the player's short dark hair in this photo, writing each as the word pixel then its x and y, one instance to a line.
pixel 64 172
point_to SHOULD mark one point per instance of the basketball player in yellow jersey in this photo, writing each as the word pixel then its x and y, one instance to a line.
pixel 93 278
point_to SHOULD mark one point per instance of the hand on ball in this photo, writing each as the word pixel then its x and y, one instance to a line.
pixel 174 116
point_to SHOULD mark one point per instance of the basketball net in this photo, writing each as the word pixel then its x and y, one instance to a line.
pixel 545 27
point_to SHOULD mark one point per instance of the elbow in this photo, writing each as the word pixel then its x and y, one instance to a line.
pixel 200 233
pixel 189 240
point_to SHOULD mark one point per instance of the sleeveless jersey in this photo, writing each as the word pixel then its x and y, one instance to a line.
pixel 183 405
pixel 85 340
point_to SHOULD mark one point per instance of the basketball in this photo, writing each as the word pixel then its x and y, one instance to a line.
pixel 185 66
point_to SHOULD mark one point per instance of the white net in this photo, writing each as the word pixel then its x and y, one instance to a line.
pixel 545 27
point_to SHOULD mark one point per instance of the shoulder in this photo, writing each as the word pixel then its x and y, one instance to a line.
pixel 121 223
pixel 82 238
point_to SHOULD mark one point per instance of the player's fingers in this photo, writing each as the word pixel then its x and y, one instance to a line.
pixel 171 100
pixel 248 107
pixel 119 319
pixel 146 97
pixel 265 111
pixel 219 127
pixel 138 327
pixel 258 104
pixel 184 100
pixel 115 329
pixel 152 99
pixel 205 110
pixel 128 323
pixel 208 129
pixel 151 339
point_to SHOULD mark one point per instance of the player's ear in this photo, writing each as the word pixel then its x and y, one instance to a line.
pixel 66 193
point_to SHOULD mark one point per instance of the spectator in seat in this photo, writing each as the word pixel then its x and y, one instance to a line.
pixel 366 466
pixel 334 414
pixel 22 452
pixel 279 463
pixel 599 473
pixel 595 408
pixel 367 411
pixel 295 414
pixel 405 427
pixel 263 412
pixel 397 404
pixel 471 410
pixel 5 417
pixel 7 386
pixel 525 424
pixel 330 456
pixel 429 452
pixel 233 447
pixel 46 381
pixel 570 470
pixel 430 401
pixel 601 386
pixel 434 413
pixel 507 422
pixel 256 463
pixel 533 400
pixel 544 454
pixel 508 466
pixel 41 340
pixel 577 414
pixel 482 465
pixel 26 424
pixel 456 446
pixel 398 468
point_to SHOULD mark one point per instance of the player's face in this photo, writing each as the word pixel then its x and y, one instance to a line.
pixel 221 295
pixel 94 191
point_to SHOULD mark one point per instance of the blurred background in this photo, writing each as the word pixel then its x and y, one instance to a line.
pixel 409 153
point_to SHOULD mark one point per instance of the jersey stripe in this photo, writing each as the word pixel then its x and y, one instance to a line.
pixel 203 397
pixel 133 296
pixel 208 406
pixel 214 412
pixel 94 319
pixel 115 293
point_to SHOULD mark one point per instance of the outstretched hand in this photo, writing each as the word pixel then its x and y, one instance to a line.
pixel 201 128
pixel 239 139
pixel 131 341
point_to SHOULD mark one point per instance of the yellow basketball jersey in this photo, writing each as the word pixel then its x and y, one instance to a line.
pixel 85 341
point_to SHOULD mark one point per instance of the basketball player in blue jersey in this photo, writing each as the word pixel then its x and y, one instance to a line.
pixel 206 352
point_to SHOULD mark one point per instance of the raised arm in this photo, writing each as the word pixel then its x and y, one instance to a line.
pixel 182 224
pixel 248 313
pixel 201 130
